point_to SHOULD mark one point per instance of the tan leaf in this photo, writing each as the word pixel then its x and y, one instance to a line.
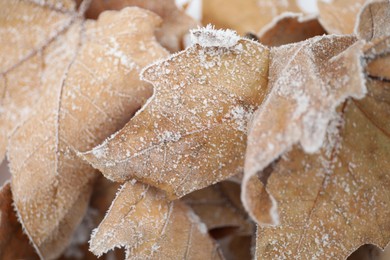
pixel 192 132
pixel 13 243
pixel 246 15
pixel 27 32
pixel 308 80
pixel 216 207
pixel 97 94
pixel 339 16
pixel 149 227
pixel 175 26
pixel 288 28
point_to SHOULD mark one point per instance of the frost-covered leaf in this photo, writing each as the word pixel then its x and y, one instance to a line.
pixel 245 15
pixel 217 207
pixel 308 80
pixel 339 16
pixel 94 97
pixel 28 32
pixel 374 20
pixel 288 28
pixel 175 26
pixel 192 132
pixel 13 243
pixel 148 226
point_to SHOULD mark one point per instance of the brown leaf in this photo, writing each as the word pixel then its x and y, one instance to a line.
pixel 13 243
pixel 27 33
pixel 99 91
pixel 245 15
pixel 150 227
pixel 308 80
pixel 236 247
pixel 289 28
pixel 339 16
pixel 217 209
pixel 192 133
pixel 175 26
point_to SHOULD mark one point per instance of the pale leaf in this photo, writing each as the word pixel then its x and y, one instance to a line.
pixel 97 94
pixel 148 226
pixel 192 132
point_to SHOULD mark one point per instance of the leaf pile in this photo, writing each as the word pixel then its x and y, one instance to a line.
pixel 127 141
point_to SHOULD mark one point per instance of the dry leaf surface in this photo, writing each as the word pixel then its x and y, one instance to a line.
pixel 308 80
pixel 192 132
pixel 99 91
pixel 148 226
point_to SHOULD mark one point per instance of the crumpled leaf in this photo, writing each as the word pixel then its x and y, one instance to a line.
pixel 339 16
pixel 288 28
pixel 13 243
pixel 98 93
pixel 149 227
pixel 192 132
pixel 246 15
pixel 308 80
pixel 175 26
pixel 217 207
pixel 26 57
pixel 337 199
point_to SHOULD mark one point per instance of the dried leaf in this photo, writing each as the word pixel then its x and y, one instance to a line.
pixel 217 209
pixel 288 28
pixel 245 15
pixel 27 33
pixel 236 247
pixel 13 243
pixel 175 26
pixel 149 227
pixel 98 93
pixel 308 80
pixel 192 132
pixel 339 16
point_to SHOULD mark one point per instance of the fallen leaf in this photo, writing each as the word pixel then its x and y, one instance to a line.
pixel 245 15
pixel 26 57
pixel 339 16
pixel 192 132
pixel 333 201
pixel 13 243
pixel 288 28
pixel 308 80
pixel 236 247
pixel 217 209
pixel 99 91
pixel 175 26
pixel 149 227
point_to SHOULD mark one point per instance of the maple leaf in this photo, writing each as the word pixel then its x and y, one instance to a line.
pixel 149 227
pixel 13 243
pixel 175 22
pixel 339 16
pixel 192 132
pixel 246 15
pixel 333 201
pixel 25 61
pixel 288 28
pixel 98 92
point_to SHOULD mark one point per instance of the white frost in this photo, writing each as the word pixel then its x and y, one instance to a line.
pixel 210 37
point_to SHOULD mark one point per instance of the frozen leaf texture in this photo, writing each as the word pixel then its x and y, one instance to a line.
pixel 175 26
pixel 245 15
pixel 339 16
pixel 217 207
pixel 290 27
pixel 149 227
pixel 336 200
pixel 308 80
pixel 27 30
pixel 99 91
pixel 13 243
pixel 192 132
